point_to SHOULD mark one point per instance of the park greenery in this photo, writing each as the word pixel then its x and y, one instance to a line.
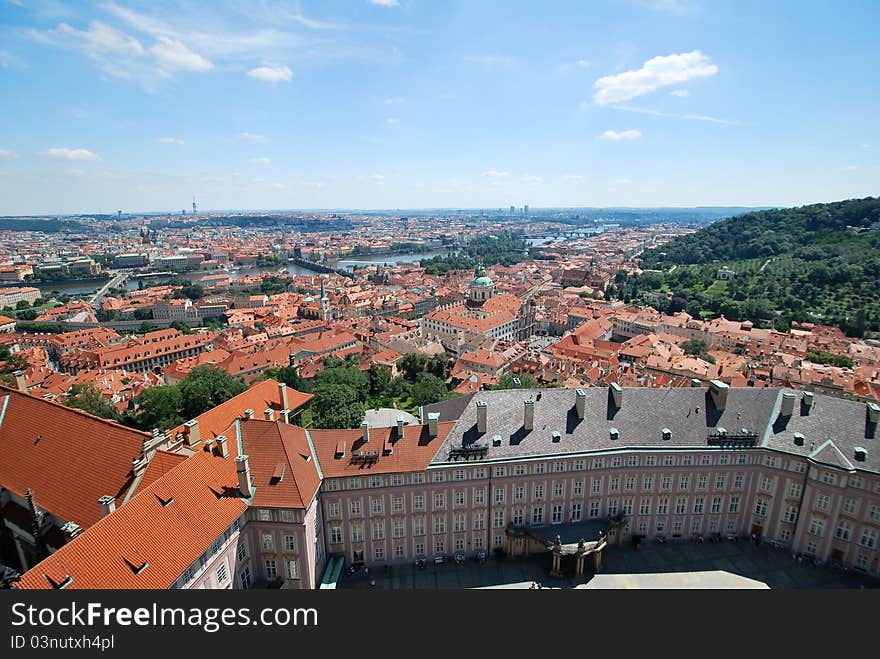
pixel 818 263
pixel 502 249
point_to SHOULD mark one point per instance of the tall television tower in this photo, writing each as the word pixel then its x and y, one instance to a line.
pixel 194 204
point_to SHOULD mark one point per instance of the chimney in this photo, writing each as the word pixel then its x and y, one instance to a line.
pixel 20 380
pixel 194 436
pixel 719 390
pixel 222 448
pixel 248 413
pixel 617 395
pixel 787 408
pixel 580 402
pixel 873 413
pixel 209 445
pixel 365 430
pixel 108 504
pixel 695 382
pixel 243 470
pixel 808 400
pixel 798 439
pixel 482 415
pixel 433 418
pixel 71 530
pixel 282 392
pixel 285 415
pixel 400 425
pixel 861 454
pixel 269 413
pixel 529 414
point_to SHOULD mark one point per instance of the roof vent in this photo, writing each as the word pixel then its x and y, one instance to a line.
pixel 808 400
pixel 517 383
pixel 496 440
pixel 873 413
pixel 557 436
pixel 614 433
pixel 667 434
pixel 798 439
pixel 617 395
pixel 695 382
pixel 340 451
pixel 248 413
pixel 861 454
pixel 787 407
pixel 721 431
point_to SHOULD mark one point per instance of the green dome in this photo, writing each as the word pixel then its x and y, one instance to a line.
pixel 480 279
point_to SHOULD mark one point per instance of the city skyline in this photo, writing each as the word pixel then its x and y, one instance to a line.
pixel 391 105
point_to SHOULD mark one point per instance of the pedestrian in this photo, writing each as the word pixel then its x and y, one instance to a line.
pixel 372 583
pixel 366 571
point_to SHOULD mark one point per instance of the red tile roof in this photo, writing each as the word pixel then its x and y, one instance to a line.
pixel 67 457
pixel 413 452
pixel 163 539
pixel 281 463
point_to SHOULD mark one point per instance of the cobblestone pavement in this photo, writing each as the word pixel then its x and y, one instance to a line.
pixel 774 567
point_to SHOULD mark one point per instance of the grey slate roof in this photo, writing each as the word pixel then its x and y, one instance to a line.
pixel 845 422
pixel 688 413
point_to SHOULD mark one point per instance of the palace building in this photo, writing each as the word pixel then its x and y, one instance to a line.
pixel 562 472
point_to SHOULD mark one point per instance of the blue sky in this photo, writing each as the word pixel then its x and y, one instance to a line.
pixel 421 104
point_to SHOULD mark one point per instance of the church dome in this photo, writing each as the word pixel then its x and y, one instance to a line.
pixel 480 279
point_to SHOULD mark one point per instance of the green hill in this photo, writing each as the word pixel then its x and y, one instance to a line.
pixel 818 263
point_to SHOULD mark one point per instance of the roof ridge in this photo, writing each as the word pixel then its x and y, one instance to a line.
pixel 76 410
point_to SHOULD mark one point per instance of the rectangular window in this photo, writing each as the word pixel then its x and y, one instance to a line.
pixel 418 478
pixel 612 507
pixel 245 577
pixel 438 477
pixel 706 460
pixel 517 517
pixel 498 519
pixel 630 484
pixel 293 569
pixel 439 547
pixel 333 509
pixel 377 506
pixel 599 463
pixel 594 509
pixel 844 531
pixel 723 459
pixel 684 482
pixel 459 522
pixel 668 460
pixel 794 491
pixel 479 473
pixel 479 497
pixel 397 527
pixel 265 515
pixel 616 461
pixel 378 530
pixel 268 542
pixel 558 467
pixel 651 461
pixel 766 483
pixel 479 520
pixel 459 497
pixel 499 472
pixel 829 478
pixel 817 527
pixel 418 502
pixel 354 483
pixel 702 482
pixel 335 535
pixel 398 551
pixel 631 461
pixel 575 512
pixel 869 538
pixel 645 507
pixel 357 532
pixel 577 488
pixel 734 505
pixel 663 506
pixel 379 553
pixel 499 495
pixel 720 482
pixel 540 467
pixel 396 480
pixel 537 516
pixel 760 507
pixel 539 491
pixel 687 460
pixel 874 513
pixel 849 506
pixel 458 475
pixel 648 483
pixel 742 459
pixel 716 504
pixel 698 505
pixel 557 514
pixel 823 502
pixel 558 489
pixel 355 507
pixel 681 505
pixel 439 523
pixel 222 574
pixel 419 548
pixel 375 481
pixel 596 485
pixel 290 543
pixel 271 572
pixel 738 481
pixel 439 500
pixel 614 485
pixel 666 483
pixel 397 504
pixel 519 470
pixel 578 465
pixel 519 493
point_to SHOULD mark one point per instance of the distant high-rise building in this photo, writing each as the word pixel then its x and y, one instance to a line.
pixel 512 210
pixel 118 214
pixel 526 209
pixel 194 204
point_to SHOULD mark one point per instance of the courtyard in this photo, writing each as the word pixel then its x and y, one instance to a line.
pixel 671 565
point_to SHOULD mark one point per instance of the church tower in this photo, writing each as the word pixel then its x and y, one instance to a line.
pixel 325 304
pixel 482 288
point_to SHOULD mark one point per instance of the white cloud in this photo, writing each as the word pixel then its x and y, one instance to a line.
pixel 583 63
pixel 527 179
pixel 260 161
pixel 312 184
pixel 378 178
pixel 169 140
pixel 6 154
pixel 272 73
pixel 255 137
pixel 491 61
pixel 100 38
pixel 656 73
pixel 850 168
pixel 572 178
pixel 82 155
pixel 690 117
pixel 10 61
pixel 613 135
pixel 495 174
pixel 385 3
pixel 393 101
pixel 681 93
pixel 393 120
pixel 174 55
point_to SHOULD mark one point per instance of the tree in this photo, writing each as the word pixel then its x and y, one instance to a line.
pixel 694 347
pixel 143 314
pixel 205 388
pixel 159 407
pixel 506 382
pixel 336 406
pixel 380 378
pixel 289 376
pixel 146 326
pixel 428 389
pixel 22 304
pixel 439 365
pixel 412 364
pixel 345 376
pixel 180 326
pixel 27 314
pixel 88 398
pixel 399 388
